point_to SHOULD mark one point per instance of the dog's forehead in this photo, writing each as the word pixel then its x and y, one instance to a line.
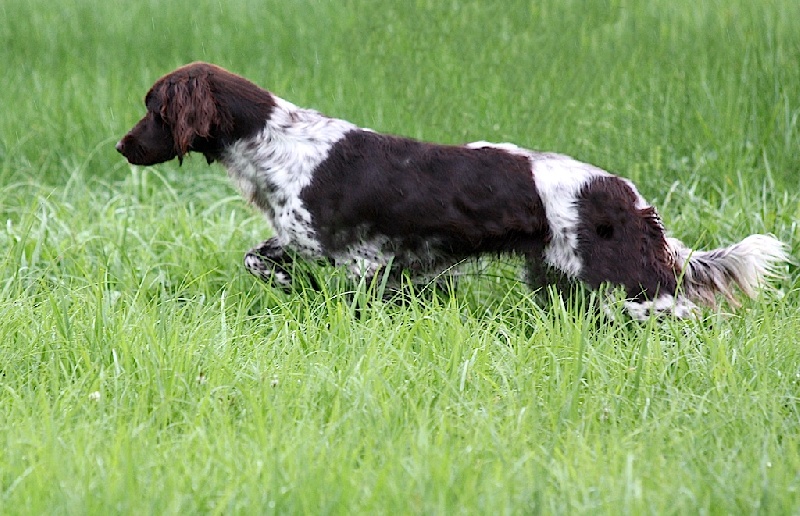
pixel 193 70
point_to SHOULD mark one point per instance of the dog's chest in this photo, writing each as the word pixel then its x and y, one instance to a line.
pixel 273 167
pixel 275 190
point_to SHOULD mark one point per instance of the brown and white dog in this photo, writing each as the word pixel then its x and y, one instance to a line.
pixel 364 200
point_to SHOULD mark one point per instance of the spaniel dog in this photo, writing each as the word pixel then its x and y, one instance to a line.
pixel 336 192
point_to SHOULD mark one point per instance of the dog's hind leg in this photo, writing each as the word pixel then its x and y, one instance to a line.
pixel 270 262
pixel 539 275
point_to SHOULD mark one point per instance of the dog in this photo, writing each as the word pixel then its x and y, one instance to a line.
pixel 374 202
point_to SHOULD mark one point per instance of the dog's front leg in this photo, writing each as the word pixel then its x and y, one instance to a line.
pixel 270 262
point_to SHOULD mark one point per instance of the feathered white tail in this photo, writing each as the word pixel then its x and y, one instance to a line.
pixel 747 265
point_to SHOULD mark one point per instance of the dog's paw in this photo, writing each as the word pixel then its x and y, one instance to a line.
pixel 267 270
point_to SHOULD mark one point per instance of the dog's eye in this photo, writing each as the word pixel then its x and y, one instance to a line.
pixel 604 231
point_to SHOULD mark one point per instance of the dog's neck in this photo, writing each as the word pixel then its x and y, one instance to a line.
pixel 273 166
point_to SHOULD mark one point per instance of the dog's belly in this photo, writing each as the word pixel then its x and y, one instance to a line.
pixel 426 258
pixel 365 257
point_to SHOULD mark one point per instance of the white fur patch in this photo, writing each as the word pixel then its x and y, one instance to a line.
pixel 272 168
pixel 559 179
pixel 508 147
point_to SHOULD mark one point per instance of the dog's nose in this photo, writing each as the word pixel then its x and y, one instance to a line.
pixel 120 147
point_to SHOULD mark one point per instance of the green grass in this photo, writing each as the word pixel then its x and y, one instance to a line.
pixel 143 371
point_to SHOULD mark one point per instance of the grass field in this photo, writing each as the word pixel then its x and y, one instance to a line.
pixel 143 371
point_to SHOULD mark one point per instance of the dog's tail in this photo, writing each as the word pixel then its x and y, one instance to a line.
pixel 747 265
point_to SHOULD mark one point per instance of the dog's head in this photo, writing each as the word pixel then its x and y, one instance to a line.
pixel 199 107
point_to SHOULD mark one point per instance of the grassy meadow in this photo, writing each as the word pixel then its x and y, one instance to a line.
pixel 143 371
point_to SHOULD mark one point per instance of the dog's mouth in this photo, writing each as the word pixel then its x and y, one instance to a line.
pixel 132 152
pixel 138 155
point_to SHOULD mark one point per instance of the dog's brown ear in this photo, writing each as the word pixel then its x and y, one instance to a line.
pixel 190 109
